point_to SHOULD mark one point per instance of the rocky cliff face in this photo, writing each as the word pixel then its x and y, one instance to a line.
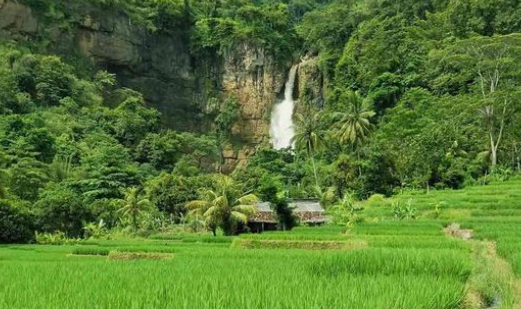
pixel 159 65
pixel 310 81
pixel 254 79
pixel 16 20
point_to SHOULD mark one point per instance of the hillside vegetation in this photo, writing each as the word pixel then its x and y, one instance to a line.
pixel 412 95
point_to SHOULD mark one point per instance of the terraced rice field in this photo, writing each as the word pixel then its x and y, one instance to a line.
pixel 383 263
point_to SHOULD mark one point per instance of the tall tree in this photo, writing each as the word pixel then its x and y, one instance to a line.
pixel 309 136
pixel 494 122
pixel 353 125
pixel 490 62
pixel 225 206
pixel 134 205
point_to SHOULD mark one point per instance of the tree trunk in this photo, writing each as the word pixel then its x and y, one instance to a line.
pixel 493 158
pixel 517 158
pixel 134 222
pixel 494 143
pixel 221 161
pixel 314 170
pixel 359 167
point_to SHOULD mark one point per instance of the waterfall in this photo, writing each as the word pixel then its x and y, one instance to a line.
pixel 281 128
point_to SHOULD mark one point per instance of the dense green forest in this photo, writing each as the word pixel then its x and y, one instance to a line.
pixel 417 95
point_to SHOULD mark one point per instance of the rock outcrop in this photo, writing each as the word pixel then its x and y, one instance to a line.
pixel 16 20
pixel 310 81
pixel 160 65
pixel 255 80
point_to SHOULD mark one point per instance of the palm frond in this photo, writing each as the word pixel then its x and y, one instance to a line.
pixel 210 212
pixel 197 204
pixel 245 209
pixel 249 199
pixel 239 217
pixel 221 201
pixel 144 203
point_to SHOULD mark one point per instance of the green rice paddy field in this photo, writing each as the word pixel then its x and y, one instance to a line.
pixel 382 263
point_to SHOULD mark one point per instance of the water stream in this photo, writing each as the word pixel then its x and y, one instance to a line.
pixel 281 127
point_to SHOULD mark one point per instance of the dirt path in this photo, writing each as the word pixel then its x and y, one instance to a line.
pixel 505 271
pixel 493 284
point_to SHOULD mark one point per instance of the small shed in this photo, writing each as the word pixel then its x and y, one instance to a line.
pixel 307 211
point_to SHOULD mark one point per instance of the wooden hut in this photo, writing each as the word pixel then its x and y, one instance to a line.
pixel 306 211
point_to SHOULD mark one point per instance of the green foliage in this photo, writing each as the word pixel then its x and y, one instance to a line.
pixel 347 211
pixel 270 191
pixel 170 192
pixel 60 209
pixel 95 230
pixel 309 136
pixel 411 94
pixel 16 223
pixel 328 28
pixel 64 150
pixel 135 208
pixel 224 207
pixel 404 211
pixel 377 200
pixel 227 25
pixel 160 150
pixel 53 81
pixel 130 121
pixel 27 177
pixel 57 239
pixel 379 46
pixel 353 125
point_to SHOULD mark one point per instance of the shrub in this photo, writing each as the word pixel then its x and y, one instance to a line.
pixel 347 211
pixel 96 231
pixel 58 238
pixel 15 224
pixel 377 200
pixel 404 211
pixel 61 209
pixel 438 208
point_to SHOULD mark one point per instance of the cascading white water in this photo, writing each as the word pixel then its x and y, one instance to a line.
pixel 281 128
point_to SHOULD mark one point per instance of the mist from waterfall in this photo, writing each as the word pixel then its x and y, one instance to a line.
pixel 281 128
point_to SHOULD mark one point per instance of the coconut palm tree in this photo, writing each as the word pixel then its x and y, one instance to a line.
pixel 134 205
pixel 224 207
pixel 353 125
pixel 309 136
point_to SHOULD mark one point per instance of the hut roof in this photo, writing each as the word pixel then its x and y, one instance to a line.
pixel 306 206
pixel 308 211
pixel 264 207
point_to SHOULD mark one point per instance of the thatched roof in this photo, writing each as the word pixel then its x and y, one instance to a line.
pixel 307 211
pixel 306 206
